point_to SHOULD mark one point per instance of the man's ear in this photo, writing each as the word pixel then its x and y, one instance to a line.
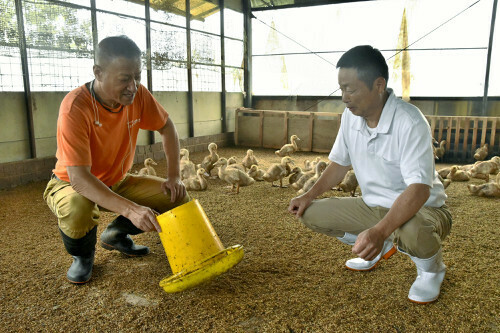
pixel 380 84
pixel 98 72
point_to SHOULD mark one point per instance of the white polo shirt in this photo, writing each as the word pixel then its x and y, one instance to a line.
pixel 397 154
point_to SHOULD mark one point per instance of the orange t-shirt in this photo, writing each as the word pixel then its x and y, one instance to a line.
pixel 108 149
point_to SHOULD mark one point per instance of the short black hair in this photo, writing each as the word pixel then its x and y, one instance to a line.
pixel 115 47
pixel 368 61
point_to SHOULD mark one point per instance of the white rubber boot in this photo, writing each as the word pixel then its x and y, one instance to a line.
pixel 348 239
pixel 359 264
pixel 430 275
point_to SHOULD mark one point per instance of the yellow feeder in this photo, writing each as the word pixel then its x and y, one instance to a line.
pixel 194 251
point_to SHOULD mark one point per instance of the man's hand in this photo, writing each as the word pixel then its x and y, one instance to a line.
pixel 144 218
pixel 176 188
pixel 368 244
pixel 299 204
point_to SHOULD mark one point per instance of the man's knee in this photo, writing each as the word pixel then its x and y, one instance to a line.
pixel 418 238
pixel 77 215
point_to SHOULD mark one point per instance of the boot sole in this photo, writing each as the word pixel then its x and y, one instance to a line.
pixel 78 282
pixel 421 303
pixel 111 248
pixel 385 256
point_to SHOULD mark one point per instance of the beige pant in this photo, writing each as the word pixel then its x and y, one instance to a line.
pixel 77 215
pixel 420 236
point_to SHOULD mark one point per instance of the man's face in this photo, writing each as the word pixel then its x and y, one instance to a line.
pixel 361 100
pixel 119 80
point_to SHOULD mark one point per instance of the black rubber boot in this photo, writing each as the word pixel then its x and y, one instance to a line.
pixel 83 252
pixel 116 237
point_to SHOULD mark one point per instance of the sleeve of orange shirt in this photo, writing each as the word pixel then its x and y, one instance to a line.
pixel 153 115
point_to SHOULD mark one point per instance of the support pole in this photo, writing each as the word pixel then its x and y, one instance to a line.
pixel 223 69
pixel 247 56
pixel 189 70
pixel 149 69
pixel 488 61
pixel 26 77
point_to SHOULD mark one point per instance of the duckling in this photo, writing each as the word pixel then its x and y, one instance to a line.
pixel 309 165
pixel 234 177
pixel 289 148
pixel 481 153
pixel 491 189
pixel 444 172
pixel 209 160
pixel 231 163
pixel 256 173
pixel 295 174
pixel 148 170
pixel 188 169
pixel 311 181
pixel 249 159
pixel 484 169
pixel 277 171
pixel 466 167
pixel 496 159
pixel 349 183
pixel 439 151
pixel 457 175
pixel 305 177
pixel 445 182
pixel 198 183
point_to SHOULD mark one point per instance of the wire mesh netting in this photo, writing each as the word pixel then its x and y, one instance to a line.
pixel 60 50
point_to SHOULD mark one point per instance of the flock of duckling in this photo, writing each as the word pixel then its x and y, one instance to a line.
pixel 481 169
pixel 302 179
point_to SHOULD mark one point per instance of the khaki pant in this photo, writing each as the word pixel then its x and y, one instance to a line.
pixel 77 215
pixel 420 236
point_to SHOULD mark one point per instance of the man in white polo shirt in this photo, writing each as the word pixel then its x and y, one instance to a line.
pixel 387 142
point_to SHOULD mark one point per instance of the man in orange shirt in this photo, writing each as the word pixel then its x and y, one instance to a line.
pixel 96 138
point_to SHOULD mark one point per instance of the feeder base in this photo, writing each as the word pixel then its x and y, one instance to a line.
pixel 206 270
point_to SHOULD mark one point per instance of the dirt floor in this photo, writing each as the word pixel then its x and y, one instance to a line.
pixel 290 279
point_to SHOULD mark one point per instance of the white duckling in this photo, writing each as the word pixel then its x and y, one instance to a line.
pixel 277 171
pixel 188 169
pixel 209 160
pixel 457 175
pixel 249 160
pixel 198 183
pixel 311 181
pixel 349 183
pixel 289 148
pixel 481 153
pixel 256 173
pixel 148 169
pixel 234 177
pixel 444 172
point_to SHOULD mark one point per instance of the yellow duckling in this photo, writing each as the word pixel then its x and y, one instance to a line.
pixel 233 164
pixel 439 151
pixel 234 177
pixel 289 148
pixel 309 165
pixel 148 169
pixel 188 169
pixel 320 167
pixel 198 183
pixel 457 175
pixel 277 171
pixel 295 174
pixel 249 160
pixel 481 153
pixel 349 183
pixel 209 160
pixel 484 169
pixel 256 173
pixel 491 189
pixel 305 177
